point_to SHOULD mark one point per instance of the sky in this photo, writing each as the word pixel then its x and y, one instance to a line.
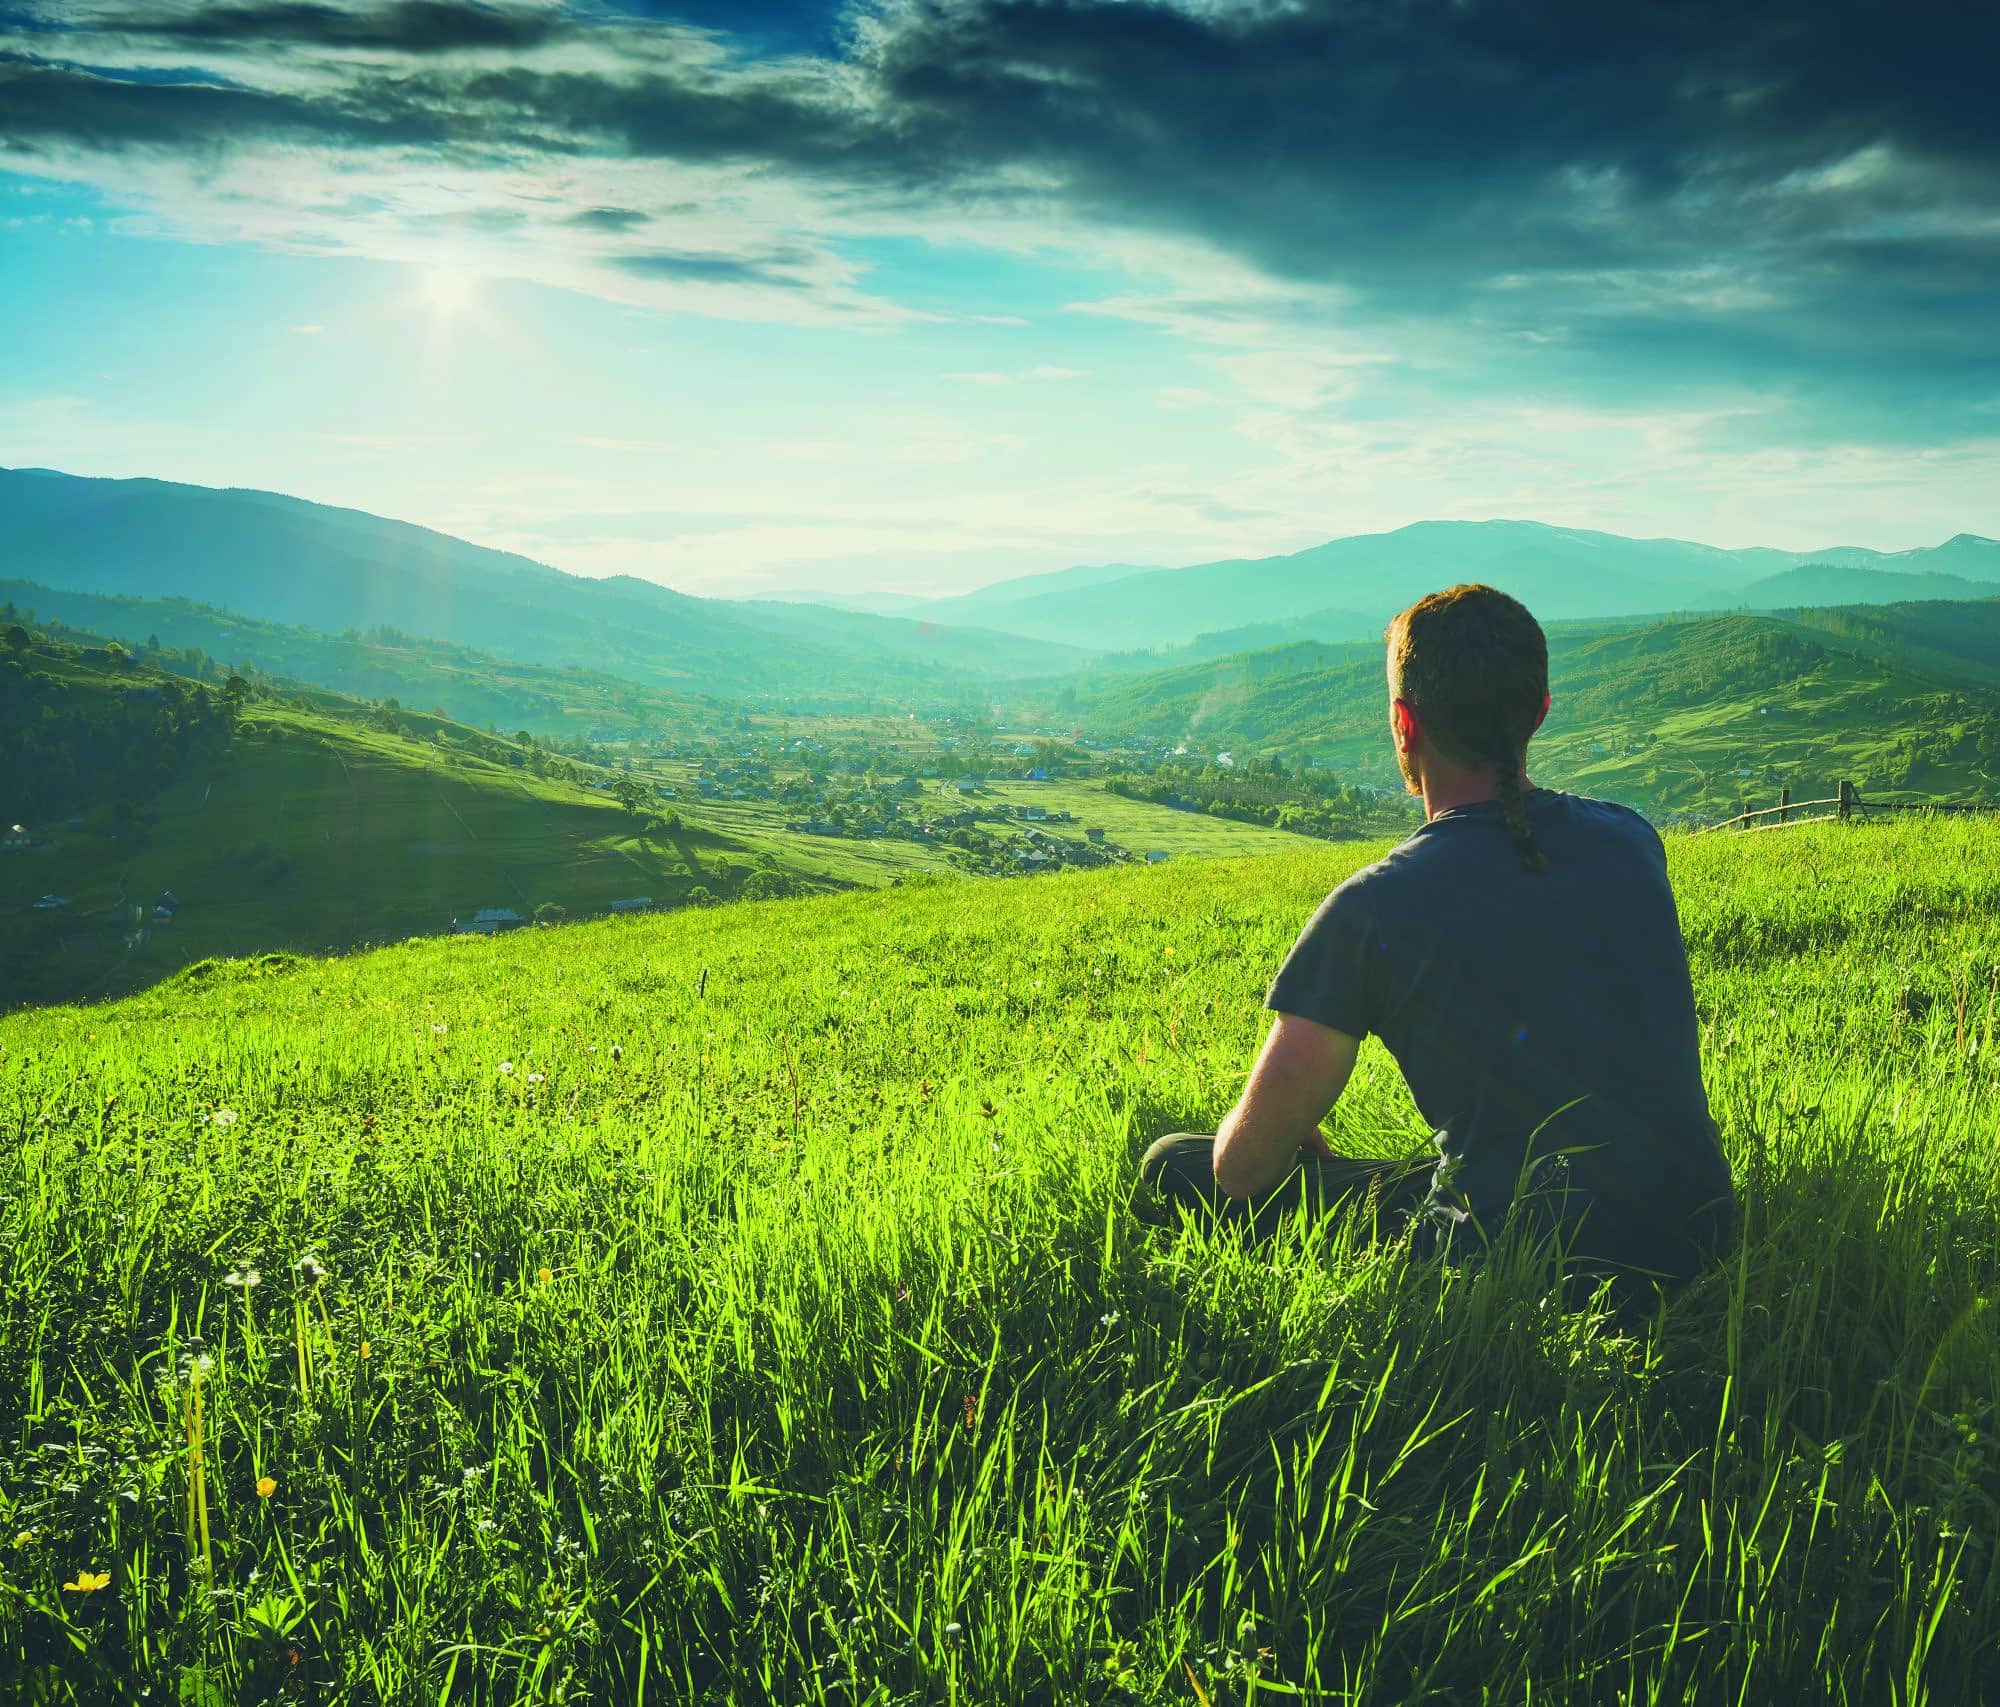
pixel 775 295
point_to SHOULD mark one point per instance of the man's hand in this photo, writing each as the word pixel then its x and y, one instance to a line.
pixel 1301 1070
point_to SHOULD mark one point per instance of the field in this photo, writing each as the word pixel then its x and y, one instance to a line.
pixel 754 1304
pixel 1138 826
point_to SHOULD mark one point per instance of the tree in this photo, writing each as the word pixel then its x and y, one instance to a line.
pixel 18 639
pixel 549 913
pixel 629 793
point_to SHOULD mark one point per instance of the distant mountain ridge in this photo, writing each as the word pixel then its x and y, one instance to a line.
pixel 1561 573
pixel 287 560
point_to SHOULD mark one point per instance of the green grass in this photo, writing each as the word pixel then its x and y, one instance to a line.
pixel 1138 825
pixel 858 1375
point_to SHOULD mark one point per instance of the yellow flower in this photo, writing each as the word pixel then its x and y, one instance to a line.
pixel 89 1582
pixel 543 1276
pixel 266 1486
pixel 366 1349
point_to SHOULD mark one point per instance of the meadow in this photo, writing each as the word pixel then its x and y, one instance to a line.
pixel 756 1305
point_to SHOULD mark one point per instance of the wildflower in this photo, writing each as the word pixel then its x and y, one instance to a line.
pixel 245 1277
pixel 367 1350
pixel 953 1631
pixel 507 1069
pixel 1109 1319
pixel 311 1270
pixel 266 1486
pixel 544 1276
pixel 223 1117
pixel 439 1028
pixel 89 1582
pixel 536 1078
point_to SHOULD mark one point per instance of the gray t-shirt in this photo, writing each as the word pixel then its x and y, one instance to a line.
pixel 1555 1008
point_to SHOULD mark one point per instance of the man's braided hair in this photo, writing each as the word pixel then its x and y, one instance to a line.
pixel 1474 665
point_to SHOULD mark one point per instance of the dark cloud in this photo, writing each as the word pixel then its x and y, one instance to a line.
pixel 612 221
pixel 782 271
pixel 1757 182
pixel 408 26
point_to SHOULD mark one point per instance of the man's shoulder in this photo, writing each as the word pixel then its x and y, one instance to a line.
pixel 1590 817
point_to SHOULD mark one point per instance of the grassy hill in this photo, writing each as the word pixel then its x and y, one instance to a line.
pixel 284 560
pixel 315 822
pixel 316 829
pixel 1666 715
pixel 469 686
pixel 693 1316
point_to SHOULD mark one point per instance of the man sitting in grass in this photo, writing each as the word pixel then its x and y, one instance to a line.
pixel 1521 958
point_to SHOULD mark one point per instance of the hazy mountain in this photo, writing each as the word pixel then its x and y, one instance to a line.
pixel 1839 584
pixel 1562 573
pixel 285 560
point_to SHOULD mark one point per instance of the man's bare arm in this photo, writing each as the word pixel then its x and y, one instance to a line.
pixel 1300 1073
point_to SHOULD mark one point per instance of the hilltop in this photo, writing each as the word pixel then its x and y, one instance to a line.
pixel 756 1303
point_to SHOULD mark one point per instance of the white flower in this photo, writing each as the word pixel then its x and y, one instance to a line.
pixel 1109 1319
pixel 311 1270
pixel 245 1277
pixel 223 1117
pixel 536 1078
pixel 439 1028
pixel 507 1068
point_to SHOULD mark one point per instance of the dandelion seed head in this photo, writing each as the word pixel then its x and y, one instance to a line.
pixel 311 1270
pixel 507 1068
pixel 223 1117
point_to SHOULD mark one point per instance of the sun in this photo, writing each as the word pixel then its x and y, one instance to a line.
pixel 446 291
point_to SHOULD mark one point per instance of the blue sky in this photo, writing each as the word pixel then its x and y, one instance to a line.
pixel 919 293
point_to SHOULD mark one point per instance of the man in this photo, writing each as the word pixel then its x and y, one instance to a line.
pixel 1521 958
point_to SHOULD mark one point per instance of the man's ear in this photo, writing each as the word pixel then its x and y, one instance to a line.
pixel 1403 716
pixel 1543 714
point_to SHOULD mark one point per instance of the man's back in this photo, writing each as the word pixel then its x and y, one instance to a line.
pixel 1516 1001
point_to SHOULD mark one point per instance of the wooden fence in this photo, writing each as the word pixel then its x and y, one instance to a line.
pixel 1844 805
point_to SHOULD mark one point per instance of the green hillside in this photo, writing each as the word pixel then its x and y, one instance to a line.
pixel 307 825
pixel 277 816
pixel 1668 715
pixel 754 1304
pixel 470 686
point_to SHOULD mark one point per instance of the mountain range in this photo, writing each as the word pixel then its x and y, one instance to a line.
pixel 285 560
pixel 1348 588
